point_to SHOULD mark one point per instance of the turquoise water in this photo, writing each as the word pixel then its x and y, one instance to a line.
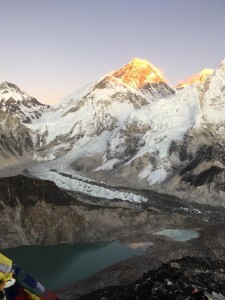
pixel 60 265
pixel 178 235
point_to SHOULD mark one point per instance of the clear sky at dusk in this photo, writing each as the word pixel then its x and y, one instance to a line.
pixel 50 48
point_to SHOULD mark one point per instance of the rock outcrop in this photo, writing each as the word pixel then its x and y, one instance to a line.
pixel 172 281
pixel 15 139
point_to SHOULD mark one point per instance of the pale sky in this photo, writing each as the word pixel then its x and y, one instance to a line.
pixel 50 48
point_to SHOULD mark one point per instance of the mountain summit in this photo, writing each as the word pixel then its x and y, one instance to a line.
pixel 19 104
pixel 9 90
pixel 138 72
pixel 198 78
pixel 143 76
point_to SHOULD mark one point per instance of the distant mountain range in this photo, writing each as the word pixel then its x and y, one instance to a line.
pixel 130 128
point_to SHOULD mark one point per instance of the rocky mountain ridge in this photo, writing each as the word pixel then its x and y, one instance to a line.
pixel 18 104
pixel 15 140
pixel 196 79
pixel 117 129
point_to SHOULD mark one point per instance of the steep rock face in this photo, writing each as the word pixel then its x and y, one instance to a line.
pixel 200 167
pixel 18 104
pixel 29 209
pixel 15 138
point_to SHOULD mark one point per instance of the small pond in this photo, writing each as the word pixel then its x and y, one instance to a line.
pixel 178 234
pixel 60 265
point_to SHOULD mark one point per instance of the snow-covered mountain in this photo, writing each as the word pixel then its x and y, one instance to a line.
pixel 101 108
pixel 198 78
pixel 130 128
pixel 145 77
pixel 18 104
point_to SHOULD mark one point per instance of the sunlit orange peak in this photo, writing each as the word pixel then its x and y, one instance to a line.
pixel 197 78
pixel 139 72
pixel 139 62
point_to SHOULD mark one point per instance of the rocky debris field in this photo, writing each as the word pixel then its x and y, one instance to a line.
pixel 172 281
pixel 210 243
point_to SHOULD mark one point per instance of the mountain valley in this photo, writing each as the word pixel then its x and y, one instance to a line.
pixel 119 159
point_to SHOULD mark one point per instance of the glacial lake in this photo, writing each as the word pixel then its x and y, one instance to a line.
pixel 178 234
pixel 58 266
